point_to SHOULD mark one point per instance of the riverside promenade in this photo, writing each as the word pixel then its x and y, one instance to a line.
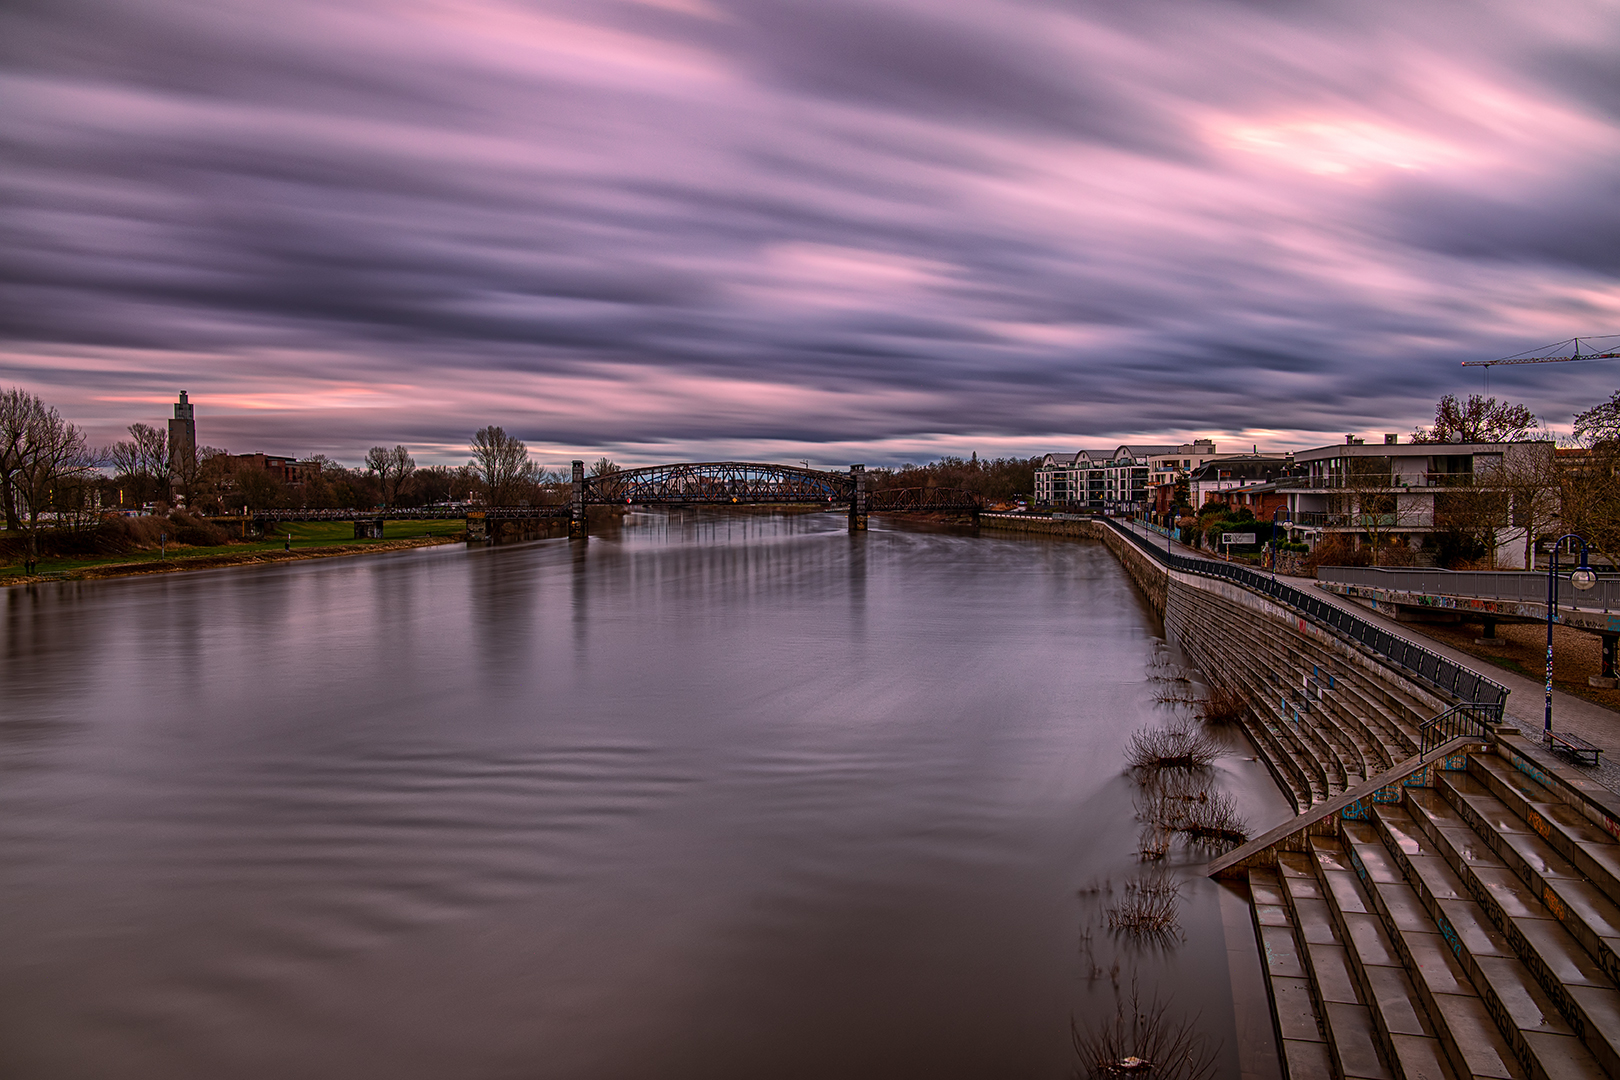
pixel 1455 915
pixel 1590 721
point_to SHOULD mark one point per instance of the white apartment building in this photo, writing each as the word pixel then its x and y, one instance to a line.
pixel 1396 491
pixel 1121 480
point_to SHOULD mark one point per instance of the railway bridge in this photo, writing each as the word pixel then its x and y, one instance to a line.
pixel 703 483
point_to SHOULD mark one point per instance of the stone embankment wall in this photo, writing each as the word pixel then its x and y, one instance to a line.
pixel 1324 713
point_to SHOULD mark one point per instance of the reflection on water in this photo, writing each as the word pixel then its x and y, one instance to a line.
pixel 713 795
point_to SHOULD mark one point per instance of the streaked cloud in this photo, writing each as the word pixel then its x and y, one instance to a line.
pixel 771 228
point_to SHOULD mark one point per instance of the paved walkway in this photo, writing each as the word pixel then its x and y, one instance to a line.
pixel 1590 721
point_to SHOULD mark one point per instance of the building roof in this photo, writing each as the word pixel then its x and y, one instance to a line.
pixel 1243 467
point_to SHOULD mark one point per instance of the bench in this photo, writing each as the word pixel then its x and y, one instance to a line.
pixel 1576 747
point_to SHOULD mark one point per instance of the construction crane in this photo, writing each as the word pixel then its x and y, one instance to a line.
pixel 1604 347
pixel 1609 351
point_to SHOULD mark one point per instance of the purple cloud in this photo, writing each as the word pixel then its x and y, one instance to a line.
pixel 841 231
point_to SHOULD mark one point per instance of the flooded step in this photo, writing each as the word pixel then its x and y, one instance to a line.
pixel 1347 1024
pixel 1407 1038
pixel 1300 1035
pixel 1589 848
pixel 1398 860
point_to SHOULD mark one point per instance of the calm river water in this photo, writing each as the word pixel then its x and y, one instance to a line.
pixel 711 796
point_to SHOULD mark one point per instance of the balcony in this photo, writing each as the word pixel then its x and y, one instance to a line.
pixel 1330 519
pixel 1383 481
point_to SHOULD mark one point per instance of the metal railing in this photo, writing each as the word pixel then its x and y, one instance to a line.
pixel 1442 673
pixel 1331 519
pixel 1524 586
pixel 1468 720
pixel 1394 481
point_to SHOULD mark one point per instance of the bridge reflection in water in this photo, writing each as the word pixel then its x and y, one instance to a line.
pixel 705 483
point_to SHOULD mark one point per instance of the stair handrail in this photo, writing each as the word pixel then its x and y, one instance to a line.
pixel 1315 817
pixel 1467 719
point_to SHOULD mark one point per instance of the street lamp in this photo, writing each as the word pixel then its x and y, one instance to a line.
pixel 1583 579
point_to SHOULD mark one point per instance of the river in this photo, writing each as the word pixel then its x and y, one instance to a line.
pixel 713 795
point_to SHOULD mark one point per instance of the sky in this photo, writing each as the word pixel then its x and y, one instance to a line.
pixel 791 230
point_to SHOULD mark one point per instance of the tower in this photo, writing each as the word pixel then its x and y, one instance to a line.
pixel 182 437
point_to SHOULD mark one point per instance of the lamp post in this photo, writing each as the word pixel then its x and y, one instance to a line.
pixel 1274 512
pixel 1583 579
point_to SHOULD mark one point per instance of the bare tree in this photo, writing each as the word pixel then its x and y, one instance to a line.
pixel 1600 423
pixel 18 410
pixel 142 462
pixel 393 468
pixel 53 456
pixel 1590 497
pixel 603 467
pixel 1370 499
pixel 1531 486
pixel 501 463
pixel 1477 420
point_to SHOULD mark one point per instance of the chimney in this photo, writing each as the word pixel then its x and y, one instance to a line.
pixel 1391 440
pixel 1348 439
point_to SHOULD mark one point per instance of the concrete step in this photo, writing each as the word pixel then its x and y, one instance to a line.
pixel 1587 909
pixel 1406 1036
pixel 1354 1045
pixel 1300 1034
pixel 1565 974
pixel 1473 1045
pixel 1409 877
pixel 1593 852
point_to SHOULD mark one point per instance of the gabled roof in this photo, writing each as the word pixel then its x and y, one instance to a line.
pixel 1147 450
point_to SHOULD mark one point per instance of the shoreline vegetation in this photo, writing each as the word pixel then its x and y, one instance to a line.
pixel 309 540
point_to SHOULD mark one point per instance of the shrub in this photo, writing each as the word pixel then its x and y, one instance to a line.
pixel 1177 745
pixel 1148 907
pixel 1214 821
pixel 1221 707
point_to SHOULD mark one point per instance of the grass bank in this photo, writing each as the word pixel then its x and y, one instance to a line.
pixel 309 540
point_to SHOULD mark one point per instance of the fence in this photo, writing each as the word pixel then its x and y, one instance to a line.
pixel 1529 587
pixel 1443 674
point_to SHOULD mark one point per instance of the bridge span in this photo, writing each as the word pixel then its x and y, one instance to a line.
pixel 701 483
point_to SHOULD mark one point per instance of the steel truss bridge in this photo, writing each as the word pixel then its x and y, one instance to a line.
pixel 705 483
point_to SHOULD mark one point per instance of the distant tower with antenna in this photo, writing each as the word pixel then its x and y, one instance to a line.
pixel 183 433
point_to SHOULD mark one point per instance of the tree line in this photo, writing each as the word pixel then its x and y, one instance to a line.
pixel 993 479
pixel 53 478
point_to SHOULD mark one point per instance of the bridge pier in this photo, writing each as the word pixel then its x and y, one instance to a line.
pixel 576 511
pixel 857 498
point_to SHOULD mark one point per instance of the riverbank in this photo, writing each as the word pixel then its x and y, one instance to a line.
pixel 309 540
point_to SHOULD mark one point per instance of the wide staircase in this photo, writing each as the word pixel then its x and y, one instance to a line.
pixel 1322 723
pixel 1460 920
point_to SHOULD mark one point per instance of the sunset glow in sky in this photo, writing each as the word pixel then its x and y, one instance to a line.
pixel 778 229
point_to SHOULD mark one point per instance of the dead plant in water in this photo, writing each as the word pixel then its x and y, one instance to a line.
pixel 1221 707
pixel 1165 795
pixel 1148 907
pixel 1214 821
pixel 1153 844
pixel 1179 744
pixel 1144 1039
